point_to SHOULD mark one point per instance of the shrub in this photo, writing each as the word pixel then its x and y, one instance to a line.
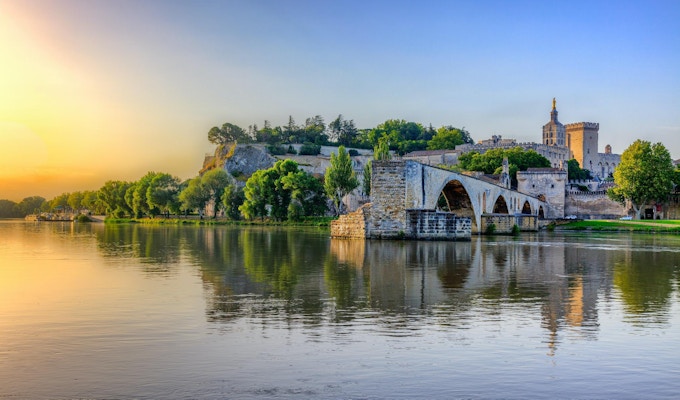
pixel 276 150
pixel 291 149
pixel 491 229
pixel 515 230
pixel 309 149
pixel 83 218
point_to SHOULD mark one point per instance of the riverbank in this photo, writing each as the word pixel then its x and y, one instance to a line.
pixel 646 226
pixel 311 221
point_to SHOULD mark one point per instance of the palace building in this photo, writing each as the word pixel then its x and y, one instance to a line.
pixel 561 143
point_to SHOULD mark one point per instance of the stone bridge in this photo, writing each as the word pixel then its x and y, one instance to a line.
pixel 407 193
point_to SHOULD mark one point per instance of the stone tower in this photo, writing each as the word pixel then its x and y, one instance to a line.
pixel 553 132
pixel 582 138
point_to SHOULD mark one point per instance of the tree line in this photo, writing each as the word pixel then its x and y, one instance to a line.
pixel 282 192
pixel 402 136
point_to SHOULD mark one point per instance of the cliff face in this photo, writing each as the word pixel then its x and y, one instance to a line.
pixel 245 159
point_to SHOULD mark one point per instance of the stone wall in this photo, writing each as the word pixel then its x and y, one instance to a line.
pixel 388 192
pixel 504 223
pixel 433 225
pixel 547 185
pixel 588 205
pixel 352 225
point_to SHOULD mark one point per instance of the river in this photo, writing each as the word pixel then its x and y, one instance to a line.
pixel 94 311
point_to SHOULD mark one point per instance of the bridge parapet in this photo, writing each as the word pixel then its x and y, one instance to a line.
pixel 405 195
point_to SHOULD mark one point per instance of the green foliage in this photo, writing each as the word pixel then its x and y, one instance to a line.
pixel 276 150
pixel 575 172
pixel 163 192
pixel 381 151
pixel 269 193
pixel 342 132
pixel 644 175
pixel 204 190
pixel 491 229
pixel 291 150
pixel 227 133
pixel 232 198
pixel 113 198
pixel 83 218
pixel 515 230
pixel 447 137
pixel 492 161
pixel 340 178
pixel 309 149
pixel 31 205
pixel 10 209
pixel 368 171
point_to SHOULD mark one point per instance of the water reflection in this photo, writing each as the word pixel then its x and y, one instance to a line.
pixel 286 277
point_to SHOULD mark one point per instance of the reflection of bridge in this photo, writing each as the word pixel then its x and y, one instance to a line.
pixel 410 199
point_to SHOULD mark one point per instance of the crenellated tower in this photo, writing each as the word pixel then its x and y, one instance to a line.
pixel 582 139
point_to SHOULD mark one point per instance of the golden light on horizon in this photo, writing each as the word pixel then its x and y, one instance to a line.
pixel 48 113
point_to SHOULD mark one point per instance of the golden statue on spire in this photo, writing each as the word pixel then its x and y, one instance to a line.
pixel 554 102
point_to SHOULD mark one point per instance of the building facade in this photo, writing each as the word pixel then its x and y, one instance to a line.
pixel 561 143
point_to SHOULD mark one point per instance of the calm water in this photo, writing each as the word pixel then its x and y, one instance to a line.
pixel 108 312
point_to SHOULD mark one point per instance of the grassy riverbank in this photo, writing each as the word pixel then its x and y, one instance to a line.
pixel 648 226
pixel 311 221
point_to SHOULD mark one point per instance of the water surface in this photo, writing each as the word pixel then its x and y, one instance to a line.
pixel 148 312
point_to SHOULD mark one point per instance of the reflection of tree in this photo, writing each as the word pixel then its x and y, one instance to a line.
pixel 157 247
pixel 646 283
pixel 261 271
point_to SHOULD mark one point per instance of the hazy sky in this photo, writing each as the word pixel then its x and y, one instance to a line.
pixel 98 90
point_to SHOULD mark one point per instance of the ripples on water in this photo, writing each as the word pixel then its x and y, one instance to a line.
pixel 94 311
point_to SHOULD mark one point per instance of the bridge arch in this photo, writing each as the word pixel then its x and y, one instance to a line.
pixel 500 206
pixel 526 208
pixel 541 214
pixel 458 200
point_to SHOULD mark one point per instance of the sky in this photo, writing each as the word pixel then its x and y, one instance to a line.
pixel 95 90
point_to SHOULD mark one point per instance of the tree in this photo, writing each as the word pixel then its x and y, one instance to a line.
pixel 402 136
pixel 447 137
pixel 214 182
pixel 290 131
pixel 9 209
pixel 59 203
pixel 340 178
pixel 644 175
pixel 368 171
pixel 381 151
pixel 140 204
pixel 574 171
pixel 112 196
pixel 162 194
pixel 270 193
pixel 314 131
pixel 307 195
pixel 75 200
pixel 30 205
pixel 342 131
pixel 194 196
pixel 256 196
pixel 491 162
pixel 232 198
pixel 227 133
